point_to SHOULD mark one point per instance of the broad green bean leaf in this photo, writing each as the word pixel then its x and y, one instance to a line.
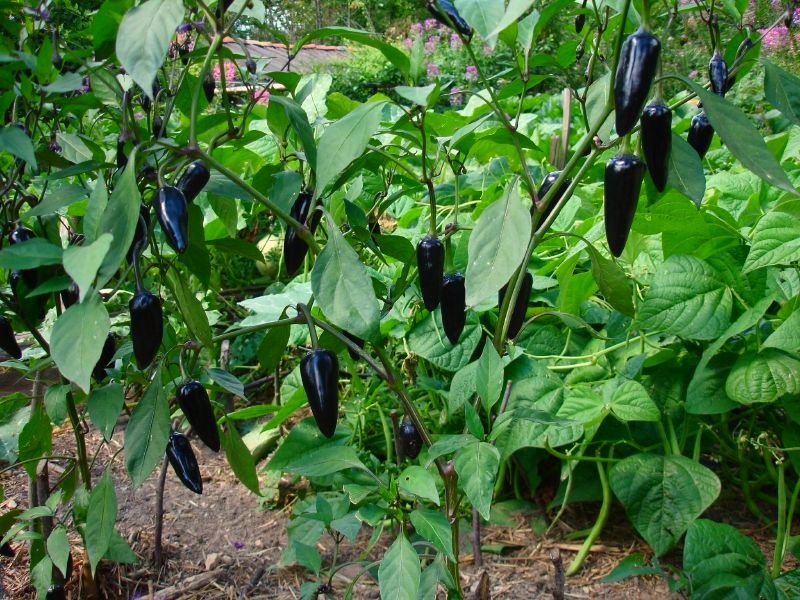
pixel 30 254
pixel 489 376
pixel 419 482
pixel 663 495
pixel 77 340
pixel 82 262
pixel 100 518
pixel 776 241
pixel 325 460
pixel 399 572
pixel 686 170
pixel 477 466
pixel 16 142
pixel 782 90
pixel 631 402
pixel 345 140
pixel 343 288
pixel 427 340
pixel 462 387
pixel 742 138
pixel 687 298
pixel 120 219
pixel 239 458
pixel 393 54
pixel 433 526
pixel 144 36
pixel 147 432
pixel 787 336
pixel 105 405
pixel 721 562
pixel 763 377
pixel 482 16
pixel 582 404
pixel 497 246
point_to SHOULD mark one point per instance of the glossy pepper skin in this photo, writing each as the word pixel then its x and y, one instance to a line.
pixel 18 235
pixel 623 181
pixel 638 62
pixel 454 306
pixel 193 180
pixel 319 370
pixel 141 233
pixel 548 182
pixel 450 10
pixel 521 307
pixel 109 348
pixel 70 296
pixel 209 87
pixel 33 308
pixel 56 592
pixel 8 342
pixel 184 462
pixel 430 263
pixel 294 247
pixel 196 406
pixel 700 134
pixel 410 440
pixel 656 132
pixel 172 213
pixel 718 74
pixel 147 326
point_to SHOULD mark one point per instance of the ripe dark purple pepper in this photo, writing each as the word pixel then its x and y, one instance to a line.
pixel 70 296
pixel 158 128
pixel 521 306
pixel 147 326
pixel 700 134
pixel 209 87
pixel 448 9
pixel 580 21
pixel 294 247
pixel 410 440
pixel 18 235
pixel 8 341
pixel 454 306
pixel 7 550
pixel 718 74
pixel 56 592
pixel 193 180
pixel 122 158
pixel 33 309
pixel 638 62
pixel 430 263
pixel 623 181
pixel 548 182
pixel 196 406
pixel 141 233
pixel 106 355
pixel 172 213
pixel 656 131
pixel 319 370
pixel 184 462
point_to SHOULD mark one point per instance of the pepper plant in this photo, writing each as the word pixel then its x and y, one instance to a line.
pixel 531 276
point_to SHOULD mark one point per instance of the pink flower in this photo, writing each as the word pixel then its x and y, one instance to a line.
pixel 408 42
pixel 456 96
pixel 431 23
pixel 416 28
pixel 471 73
pixel 230 71
pixel 487 50
pixel 455 41
pixel 433 70
pixel 692 74
pixel 432 42
pixel 261 97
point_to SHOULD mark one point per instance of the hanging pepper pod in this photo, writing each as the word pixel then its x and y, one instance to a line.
pixel 172 213
pixel 718 74
pixel 209 87
pixel 448 9
pixel 638 62
pixel 700 134
pixel 196 406
pixel 106 356
pixel 548 182
pixel 20 234
pixel 430 263
pixel 184 462
pixel 410 440
pixel 656 131
pixel 70 296
pixel 147 326
pixel 294 247
pixel 8 341
pixel 56 592
pixel 319 371
pixel 7 550
pixel 521 307
pixel 140 235
pixel 623 181
pixel 158 128
pixel 193 180
pixel 454 306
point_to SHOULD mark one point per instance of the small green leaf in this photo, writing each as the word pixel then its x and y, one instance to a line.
pixel 35 440
pixel 399 572
pixel 16 142
pixel 100 518
pixel 419 482
pixel 191 308
pixel 82 262
pixel 433 526
pixel 77 340
pixel 240 459
pixel 120 218
pixel 612 281
pixel 421 96
pixel 489 377
pixel 105 405
pixel 31 254
pixel 477 466
pixel 273 347
pixel 776 241
pixel 482 16
pixel 98 201
pixel 55 402
pixel 631 402
pixel 763 377
pixel 227 381
pixel 393 54
pixel 427 340
pixel 325 460
pixel 663 495
pixel 497 246
pixel 58 548
pixel 686 170
pixel 147 432
pixel 782 90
